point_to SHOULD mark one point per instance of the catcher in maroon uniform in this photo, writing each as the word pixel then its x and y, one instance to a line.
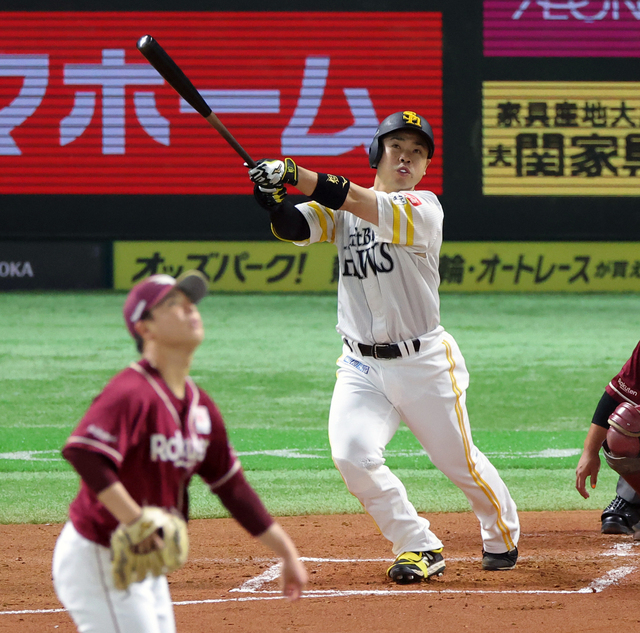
pixel 136 448
pixel 616 428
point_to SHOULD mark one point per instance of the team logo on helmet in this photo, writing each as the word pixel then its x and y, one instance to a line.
pixel 408 119
pixel 411 118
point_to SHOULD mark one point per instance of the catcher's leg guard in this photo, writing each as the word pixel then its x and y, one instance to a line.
pixel 624 490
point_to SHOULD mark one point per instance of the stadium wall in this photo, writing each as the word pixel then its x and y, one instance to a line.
pixel 538 139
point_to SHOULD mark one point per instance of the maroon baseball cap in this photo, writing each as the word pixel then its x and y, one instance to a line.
pixel 152 290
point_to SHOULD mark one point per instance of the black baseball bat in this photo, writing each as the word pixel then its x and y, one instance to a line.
pixel 164 64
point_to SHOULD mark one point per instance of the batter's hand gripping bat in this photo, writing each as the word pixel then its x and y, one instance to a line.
pixel 162 62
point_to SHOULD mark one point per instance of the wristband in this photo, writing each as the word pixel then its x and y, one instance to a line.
pixel 290 172
pixel 331 191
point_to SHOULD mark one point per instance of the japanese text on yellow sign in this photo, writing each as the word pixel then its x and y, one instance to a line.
pixel 231 266
pixel 561 138
pixel 464 266
pixel 540 266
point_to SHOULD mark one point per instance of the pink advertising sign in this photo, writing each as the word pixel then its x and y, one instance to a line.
pixel 573 28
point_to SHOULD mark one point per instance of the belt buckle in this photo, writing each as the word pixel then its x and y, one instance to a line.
pixel 381 346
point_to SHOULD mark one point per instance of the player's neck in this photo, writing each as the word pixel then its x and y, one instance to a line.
pixel 384 187
pixel 173 364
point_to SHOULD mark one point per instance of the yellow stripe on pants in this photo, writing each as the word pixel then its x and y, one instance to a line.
pixel 484 486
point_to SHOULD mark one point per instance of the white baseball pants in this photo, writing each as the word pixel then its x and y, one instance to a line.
pixel 426 390
pixel 84 585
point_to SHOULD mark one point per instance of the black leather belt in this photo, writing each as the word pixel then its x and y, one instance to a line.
pixel 386 351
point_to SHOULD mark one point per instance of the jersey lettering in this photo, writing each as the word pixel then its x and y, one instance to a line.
pixel 362 237
pixel 184 453
pixel 626 389
pixel 376 258
pixel 101 434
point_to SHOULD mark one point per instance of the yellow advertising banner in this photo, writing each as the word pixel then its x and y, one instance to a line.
pixel 464 266
pixel 231 266
pixel 570 138
pixel 540 267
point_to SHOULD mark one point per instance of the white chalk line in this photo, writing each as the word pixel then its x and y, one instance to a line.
pixel 253 585
pixel 312 453
pixel 621 549
pixel 33 456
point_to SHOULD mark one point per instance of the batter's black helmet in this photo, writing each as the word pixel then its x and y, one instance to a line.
pixel 399 121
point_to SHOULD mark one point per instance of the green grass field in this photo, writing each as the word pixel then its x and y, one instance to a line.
pixel 538 364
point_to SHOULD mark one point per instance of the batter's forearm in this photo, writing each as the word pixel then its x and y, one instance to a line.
pixel 307 181
pixel 360 201
pixel 330 190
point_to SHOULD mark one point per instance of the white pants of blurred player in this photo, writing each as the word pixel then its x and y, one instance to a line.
pixel 426 390
pixel 84 585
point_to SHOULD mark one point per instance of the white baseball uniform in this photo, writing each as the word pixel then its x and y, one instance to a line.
pixel 84 584
pixel 388 294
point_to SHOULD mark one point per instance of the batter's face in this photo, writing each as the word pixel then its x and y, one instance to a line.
pixel 174 322
pixel 403 163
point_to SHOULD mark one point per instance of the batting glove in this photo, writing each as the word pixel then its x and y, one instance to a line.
pixel 269 197
pixel 274 172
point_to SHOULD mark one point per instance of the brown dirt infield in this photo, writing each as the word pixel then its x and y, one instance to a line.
pixel 570 578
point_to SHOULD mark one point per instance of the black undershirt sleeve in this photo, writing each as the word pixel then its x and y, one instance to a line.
pixel 605 408
pixel 288 222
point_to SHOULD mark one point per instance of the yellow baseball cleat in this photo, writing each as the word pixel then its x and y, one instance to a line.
pixel 410 567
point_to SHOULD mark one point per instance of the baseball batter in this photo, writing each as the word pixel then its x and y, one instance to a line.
pixel 138 445
pixel 398 362
pixel 620 516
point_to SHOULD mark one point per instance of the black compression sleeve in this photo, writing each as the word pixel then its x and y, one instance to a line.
pixel 288 222
pixel 605 408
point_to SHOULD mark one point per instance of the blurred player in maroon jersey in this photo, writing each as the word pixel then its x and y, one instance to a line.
pixel 623 512
pixel 140 442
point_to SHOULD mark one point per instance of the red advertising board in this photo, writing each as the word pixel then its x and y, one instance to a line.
pixel 82 112
pixel 556 28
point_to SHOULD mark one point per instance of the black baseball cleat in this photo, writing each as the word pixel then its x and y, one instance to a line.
pixel 619 517
pixel 410 567
pixel 499 562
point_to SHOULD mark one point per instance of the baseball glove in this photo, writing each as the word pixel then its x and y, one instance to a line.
pixel 130 564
